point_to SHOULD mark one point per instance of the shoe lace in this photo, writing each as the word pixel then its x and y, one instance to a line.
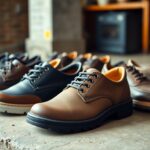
pixel 36 72
pixel 137 74
pixel 83 80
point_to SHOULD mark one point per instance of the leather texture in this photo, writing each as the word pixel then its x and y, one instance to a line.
pixel 75 105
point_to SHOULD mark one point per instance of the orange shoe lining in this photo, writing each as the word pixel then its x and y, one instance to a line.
pixel 54 63
pixel 105 59
pixel 73 55
pixel 87 55
pixel 116 74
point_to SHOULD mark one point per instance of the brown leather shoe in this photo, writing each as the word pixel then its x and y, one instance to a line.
pixel 139 87
pixel 86 103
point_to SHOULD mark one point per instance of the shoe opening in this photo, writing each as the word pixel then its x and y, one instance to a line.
pixel 87 55
pixel 72 69
pixel 55 63
pixel 73 55
pixel 116 74
pixel 105 59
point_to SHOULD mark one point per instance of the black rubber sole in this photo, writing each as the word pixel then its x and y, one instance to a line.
pixel 118 111
pixel 141 107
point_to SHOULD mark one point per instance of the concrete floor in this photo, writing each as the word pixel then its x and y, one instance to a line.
pixel 132 133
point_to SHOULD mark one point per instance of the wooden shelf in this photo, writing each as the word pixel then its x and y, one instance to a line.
pixel 121 6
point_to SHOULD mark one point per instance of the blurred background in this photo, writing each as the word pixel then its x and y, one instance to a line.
pixel 98 26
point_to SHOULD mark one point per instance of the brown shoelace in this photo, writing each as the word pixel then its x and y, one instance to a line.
pixel 137 74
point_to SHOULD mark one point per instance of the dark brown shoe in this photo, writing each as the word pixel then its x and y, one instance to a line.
pixel 86 103
pixel 83 57
pixel 139 87
pixel 96 62
pixel 67 58
pixel 14 69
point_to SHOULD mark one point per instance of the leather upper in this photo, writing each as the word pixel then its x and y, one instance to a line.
pixel 76 104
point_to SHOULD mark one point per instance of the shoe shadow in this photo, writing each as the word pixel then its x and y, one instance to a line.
pixel 138 117
pixel 11 115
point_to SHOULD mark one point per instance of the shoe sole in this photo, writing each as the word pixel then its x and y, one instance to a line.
pixel 118 111
pixel 142 105
pixel 14 109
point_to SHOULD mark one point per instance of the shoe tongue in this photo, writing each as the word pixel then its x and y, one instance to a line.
pixel 92 70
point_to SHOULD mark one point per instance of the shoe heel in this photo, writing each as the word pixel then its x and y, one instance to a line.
pixel 124 110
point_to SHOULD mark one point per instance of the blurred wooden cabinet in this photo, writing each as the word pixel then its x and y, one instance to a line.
pixel 143 5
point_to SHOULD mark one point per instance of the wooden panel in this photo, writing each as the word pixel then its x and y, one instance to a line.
pixel 121 6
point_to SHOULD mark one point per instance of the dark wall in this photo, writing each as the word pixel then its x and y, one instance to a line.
pixel 13 24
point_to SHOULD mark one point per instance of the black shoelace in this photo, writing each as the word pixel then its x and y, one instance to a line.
pixel 36 72
pixel 138 75
pixel 79 81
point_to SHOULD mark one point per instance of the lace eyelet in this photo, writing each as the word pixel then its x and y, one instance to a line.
pixel 33 81
pixel 81 90
pixel 46 69
pixel 92 81
pixel 88 86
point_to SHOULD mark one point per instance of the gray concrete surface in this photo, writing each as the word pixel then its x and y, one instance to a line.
pixel 132 133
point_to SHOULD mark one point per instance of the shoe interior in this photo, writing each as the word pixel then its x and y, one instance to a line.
pixel 55 63
pixel 72 69
pixel 105 59
pixel 87 55
pixel 73 55
pixel 116 74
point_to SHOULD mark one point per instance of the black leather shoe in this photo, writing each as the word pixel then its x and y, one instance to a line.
pixel 40 84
